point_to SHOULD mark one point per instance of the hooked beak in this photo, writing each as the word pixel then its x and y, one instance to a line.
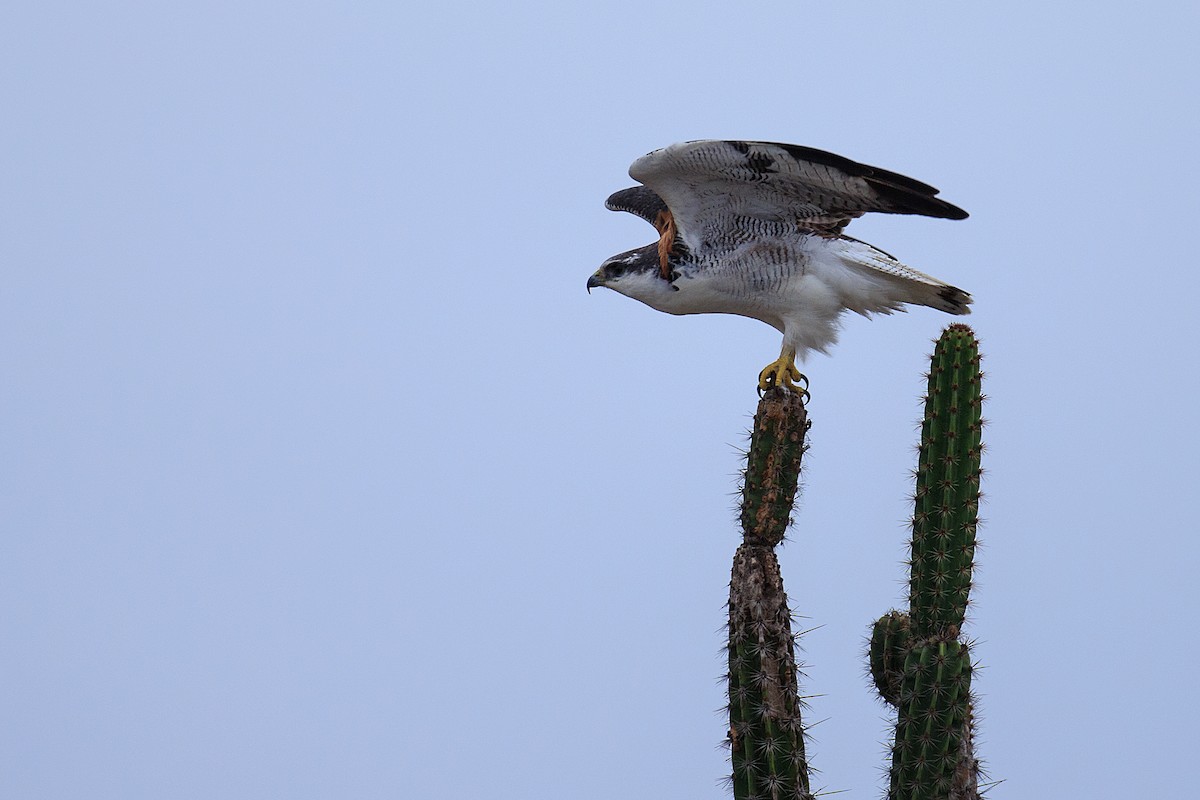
pixel 594 282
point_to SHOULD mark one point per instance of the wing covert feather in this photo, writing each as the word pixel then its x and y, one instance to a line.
pixel 711 185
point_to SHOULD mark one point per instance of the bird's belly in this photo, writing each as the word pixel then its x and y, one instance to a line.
pixel 770 281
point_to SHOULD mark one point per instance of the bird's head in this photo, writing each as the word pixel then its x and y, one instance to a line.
pixel 635 274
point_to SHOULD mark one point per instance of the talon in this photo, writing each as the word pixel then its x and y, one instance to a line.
pixel 782 374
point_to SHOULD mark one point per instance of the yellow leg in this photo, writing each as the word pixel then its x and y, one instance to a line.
pixel 782 374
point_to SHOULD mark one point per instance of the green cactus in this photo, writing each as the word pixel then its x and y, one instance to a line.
pixel 890 641
pixel 766 734
pixel 773 467
pixel 917 661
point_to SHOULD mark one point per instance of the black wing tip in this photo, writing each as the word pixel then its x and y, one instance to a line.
pixel 898 198
pixel 622 200
pixel 910 195
pixel 943 210
pixel 639 200
pixel 957 301
pixel 848 165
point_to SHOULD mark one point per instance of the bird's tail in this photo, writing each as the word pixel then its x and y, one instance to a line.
pixel 889 284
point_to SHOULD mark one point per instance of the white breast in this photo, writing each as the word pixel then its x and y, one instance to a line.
pixel 799 285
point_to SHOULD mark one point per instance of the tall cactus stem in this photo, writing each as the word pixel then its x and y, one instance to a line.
pixel 947 490
pixel 766 732
pixel 917 661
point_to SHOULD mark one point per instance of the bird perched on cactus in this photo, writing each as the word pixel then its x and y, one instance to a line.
pixel 755 229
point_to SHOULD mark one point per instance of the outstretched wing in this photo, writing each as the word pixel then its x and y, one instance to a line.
pixel 713 187
pixel 638 200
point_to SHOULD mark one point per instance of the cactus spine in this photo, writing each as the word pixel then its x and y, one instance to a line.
pixel 766 734
pixel 917 661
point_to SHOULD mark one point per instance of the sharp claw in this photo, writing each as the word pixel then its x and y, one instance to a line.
pixel 783 374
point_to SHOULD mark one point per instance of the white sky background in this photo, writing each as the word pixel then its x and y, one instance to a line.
pixel 323 477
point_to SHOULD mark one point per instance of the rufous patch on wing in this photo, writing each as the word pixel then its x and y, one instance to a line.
pixel 665 223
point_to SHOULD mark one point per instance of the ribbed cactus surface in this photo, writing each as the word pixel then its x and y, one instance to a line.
pixel 917 661
pixel 773 466
pixel 766 733
pixel 947 494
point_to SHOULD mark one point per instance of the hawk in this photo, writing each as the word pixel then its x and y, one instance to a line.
pixel 755 229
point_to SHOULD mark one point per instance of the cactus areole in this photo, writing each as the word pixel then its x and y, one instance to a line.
pixel 919 664
pixel 766 732
pixel 917 660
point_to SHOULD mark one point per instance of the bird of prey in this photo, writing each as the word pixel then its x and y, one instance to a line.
pixel 755 229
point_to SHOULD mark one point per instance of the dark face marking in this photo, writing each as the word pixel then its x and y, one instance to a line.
pixel 643 259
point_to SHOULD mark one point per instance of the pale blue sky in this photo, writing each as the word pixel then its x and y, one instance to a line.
pixel 325 478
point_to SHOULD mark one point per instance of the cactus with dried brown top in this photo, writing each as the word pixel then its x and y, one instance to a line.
pixel 766 733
